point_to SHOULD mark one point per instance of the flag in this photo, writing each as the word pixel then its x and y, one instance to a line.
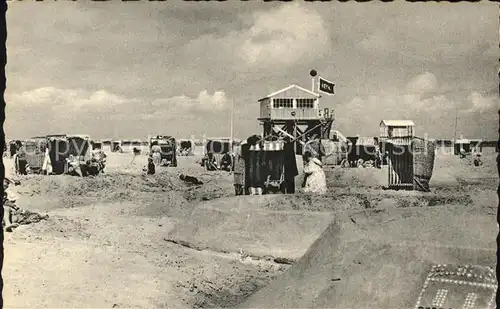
pixel 326 86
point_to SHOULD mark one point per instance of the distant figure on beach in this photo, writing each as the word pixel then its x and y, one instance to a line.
pixel 151 166
pixel 463 153
pixel 226 162
pixel 190 179
pixel 209 162
pixel 378 158
pixel 21 160
pixel 12 149
pixel 477 160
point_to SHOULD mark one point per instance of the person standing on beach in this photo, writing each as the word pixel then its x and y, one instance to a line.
pixel 21 160
pixel 151 166
pixel 314 176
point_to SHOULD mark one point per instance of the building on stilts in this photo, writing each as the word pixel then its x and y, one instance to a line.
pixel 295 113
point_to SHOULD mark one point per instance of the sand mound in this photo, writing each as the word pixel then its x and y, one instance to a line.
pixel 101 184
pixel 247 224
pixel 380 259
pixel 352 199
pixel 159 191
pixel 284 226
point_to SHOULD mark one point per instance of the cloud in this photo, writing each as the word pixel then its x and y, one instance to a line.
pixel 63 103
pixel 422 84
pixel 284 35
pixel 421 101
pixel 481 104
pixel 248 53
pixel 55 98
pixel 367 112
pixel 279 37
pixel 103 113
pixel 205 102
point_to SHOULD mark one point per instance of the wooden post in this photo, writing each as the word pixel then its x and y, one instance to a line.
pixel 295 136
pixel 389 167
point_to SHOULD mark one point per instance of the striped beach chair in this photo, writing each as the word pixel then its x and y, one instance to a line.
pixel 266 167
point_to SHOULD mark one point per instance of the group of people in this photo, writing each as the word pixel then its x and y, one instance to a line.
pixel 314 180
pixel 475 156
pixel 154 159
pixel 99 156
pixel 210 163
pixel 13 215
pixel 156 154
pixel 368 160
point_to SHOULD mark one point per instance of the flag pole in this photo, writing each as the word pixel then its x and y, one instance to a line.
pixel 320 129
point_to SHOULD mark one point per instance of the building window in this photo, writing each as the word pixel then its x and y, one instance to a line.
pixel 305 103
pixel 282 103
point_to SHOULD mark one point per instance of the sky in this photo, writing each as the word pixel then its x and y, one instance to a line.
pixel 128 70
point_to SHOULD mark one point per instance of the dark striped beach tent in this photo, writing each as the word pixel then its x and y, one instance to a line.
pixel 270 166
pixel 410 163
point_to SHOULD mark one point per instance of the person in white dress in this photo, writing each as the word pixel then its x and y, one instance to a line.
pixel 156 155
pixel 314 176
